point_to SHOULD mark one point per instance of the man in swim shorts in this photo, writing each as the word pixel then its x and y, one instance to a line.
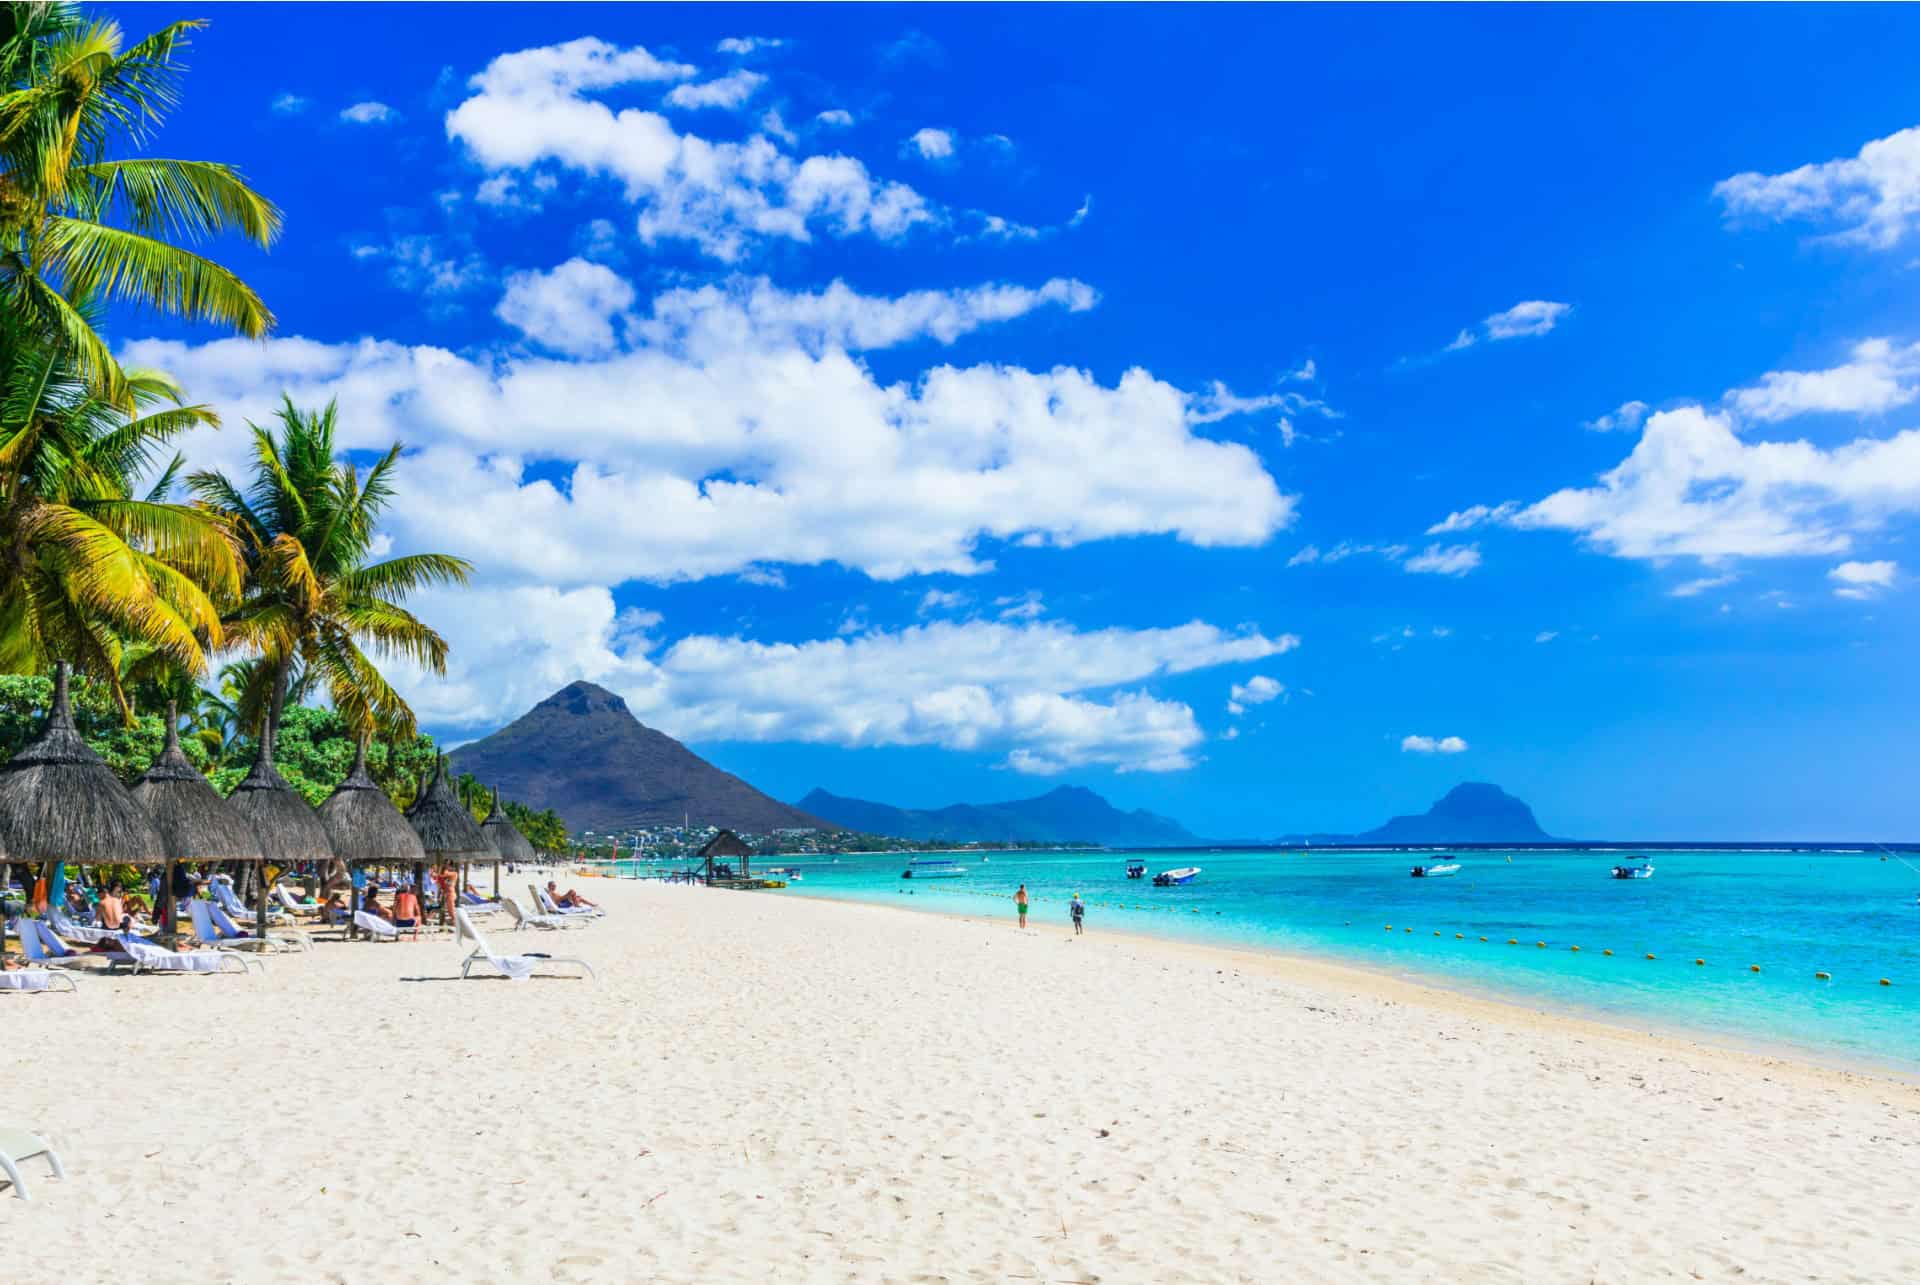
pixel 1020 904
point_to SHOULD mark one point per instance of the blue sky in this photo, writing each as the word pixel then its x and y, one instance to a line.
pixel 940 404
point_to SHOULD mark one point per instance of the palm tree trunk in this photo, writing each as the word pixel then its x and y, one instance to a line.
pixel 268 733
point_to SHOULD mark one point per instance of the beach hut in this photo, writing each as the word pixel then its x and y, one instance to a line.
pixel 194 822
pixel 364 826
pixel 447 830
pixel 288 830
pixel 59 801
pixel 506 840
pixel 727 844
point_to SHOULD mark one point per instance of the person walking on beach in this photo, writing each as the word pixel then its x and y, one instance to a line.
pixel 1020 904
pixel 1079 911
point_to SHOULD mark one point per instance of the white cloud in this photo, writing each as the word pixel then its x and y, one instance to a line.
pixel 938 600
pixel 369 113
pixel 1626 418
pixel 1476 515
pixel 1695 587
pixel 772 122
pixel 1546 635
pixel 290 104
pixel 742 45
pixel 1524 320
pixel 1872 198
pixel 1217 402
pixel 1692 487
pixel 1257 690
pixel 1030 605
pixel 570 309
pixel 1862 579
pixel 1310 554
pixel 536 107
pixel 700 452
pixel 1445 559
pixel 1079 216
pixel 1231 734
pixel 931 144
pixel 1880 377
pixel 834 117
pixel 422 264
pixel 1044 695
pixel 727 92
pixel 1430 745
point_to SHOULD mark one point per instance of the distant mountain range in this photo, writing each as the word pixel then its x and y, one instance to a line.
pixel 1069 814
pixel 582 753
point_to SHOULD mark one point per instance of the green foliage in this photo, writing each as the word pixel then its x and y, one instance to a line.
pixel 544 829
pixel 127 749
pixel 314 750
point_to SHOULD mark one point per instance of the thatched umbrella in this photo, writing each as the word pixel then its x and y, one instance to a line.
pixel 446 829
pixel 194 822
pixel 59 801
pixel 506 839
pixel 365 827
pixel 288 830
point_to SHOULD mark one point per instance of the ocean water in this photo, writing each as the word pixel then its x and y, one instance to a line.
pixel 1853 915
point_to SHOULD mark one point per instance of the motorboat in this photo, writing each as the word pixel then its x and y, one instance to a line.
pixel 1436 869
pixel 1174 878
pixel 1634 868
pixel 943 869
pixel 1136 869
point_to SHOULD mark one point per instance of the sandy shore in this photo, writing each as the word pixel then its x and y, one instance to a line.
pixel 772 1089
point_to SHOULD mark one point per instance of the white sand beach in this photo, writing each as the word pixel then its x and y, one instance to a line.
pixel 771 1089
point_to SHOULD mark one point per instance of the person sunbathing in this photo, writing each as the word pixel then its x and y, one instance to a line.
pixel 406 909
pixel 333 910
pixel 371 904
pixel 568 900
pixel 113 910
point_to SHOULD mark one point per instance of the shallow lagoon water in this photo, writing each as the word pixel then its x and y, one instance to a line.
pixel 1853 915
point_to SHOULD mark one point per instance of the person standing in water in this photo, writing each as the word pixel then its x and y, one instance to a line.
pixel 1079 911
pixel 1020 904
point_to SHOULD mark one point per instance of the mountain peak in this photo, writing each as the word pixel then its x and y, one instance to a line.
pixel 582 753
pixel 1471 812
pixel 1067 813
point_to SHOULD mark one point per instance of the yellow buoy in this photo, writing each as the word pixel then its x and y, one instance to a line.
pixel 1824 977
pixel 1885 982
pixel 1459 936
pixel 1389 928
pixel 1574 949
pixel 1436 933
pixel 1753 968
pixel 1406 930
pixel 1700 961
pixel 1541 944
pixel 1606 952
pixel 1483 939
pixel 1651 955
pixel 1513 941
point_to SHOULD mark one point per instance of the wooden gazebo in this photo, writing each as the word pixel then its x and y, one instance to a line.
pixel 727 844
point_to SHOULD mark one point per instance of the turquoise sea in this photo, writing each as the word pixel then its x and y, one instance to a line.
pixel 1853 915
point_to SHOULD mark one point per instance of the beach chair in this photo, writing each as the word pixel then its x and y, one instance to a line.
pixel 208 929
pixel 513 967
pixel 229 901
pixel 42 946
pixel 474 904
pixel 550 907
pixel 233 933
pixel 36 979
pixel 18 1146
pixel 287 902
pixel 145 957
pixel 523 919
pixel 375 927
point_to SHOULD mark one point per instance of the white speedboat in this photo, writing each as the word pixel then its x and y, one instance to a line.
pixel 1174 878
pixel 1634 868
pixel 1437 869
pixel 919 869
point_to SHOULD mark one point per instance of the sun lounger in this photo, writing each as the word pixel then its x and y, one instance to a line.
pixel 522 919
pixel 233 934
pixel 42 946
pixel 210 932
pixel 513 967
pixel 473 903
pixel 549 906
pixel 228 900
pixel 145 957
pixel 88 934
pixel 35 979
pixel 18 1146
pixel 375 927
pixel 285 898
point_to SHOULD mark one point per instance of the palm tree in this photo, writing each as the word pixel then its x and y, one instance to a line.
pixel 312 600
pixel 80 225
pixel 87 568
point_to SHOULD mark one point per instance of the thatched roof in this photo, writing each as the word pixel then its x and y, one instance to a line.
pixel 287 828
pixel 726 844
pixel 194 822
pixel 60 801
pixel 363 823
pixel 444 825
pixel 505 836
